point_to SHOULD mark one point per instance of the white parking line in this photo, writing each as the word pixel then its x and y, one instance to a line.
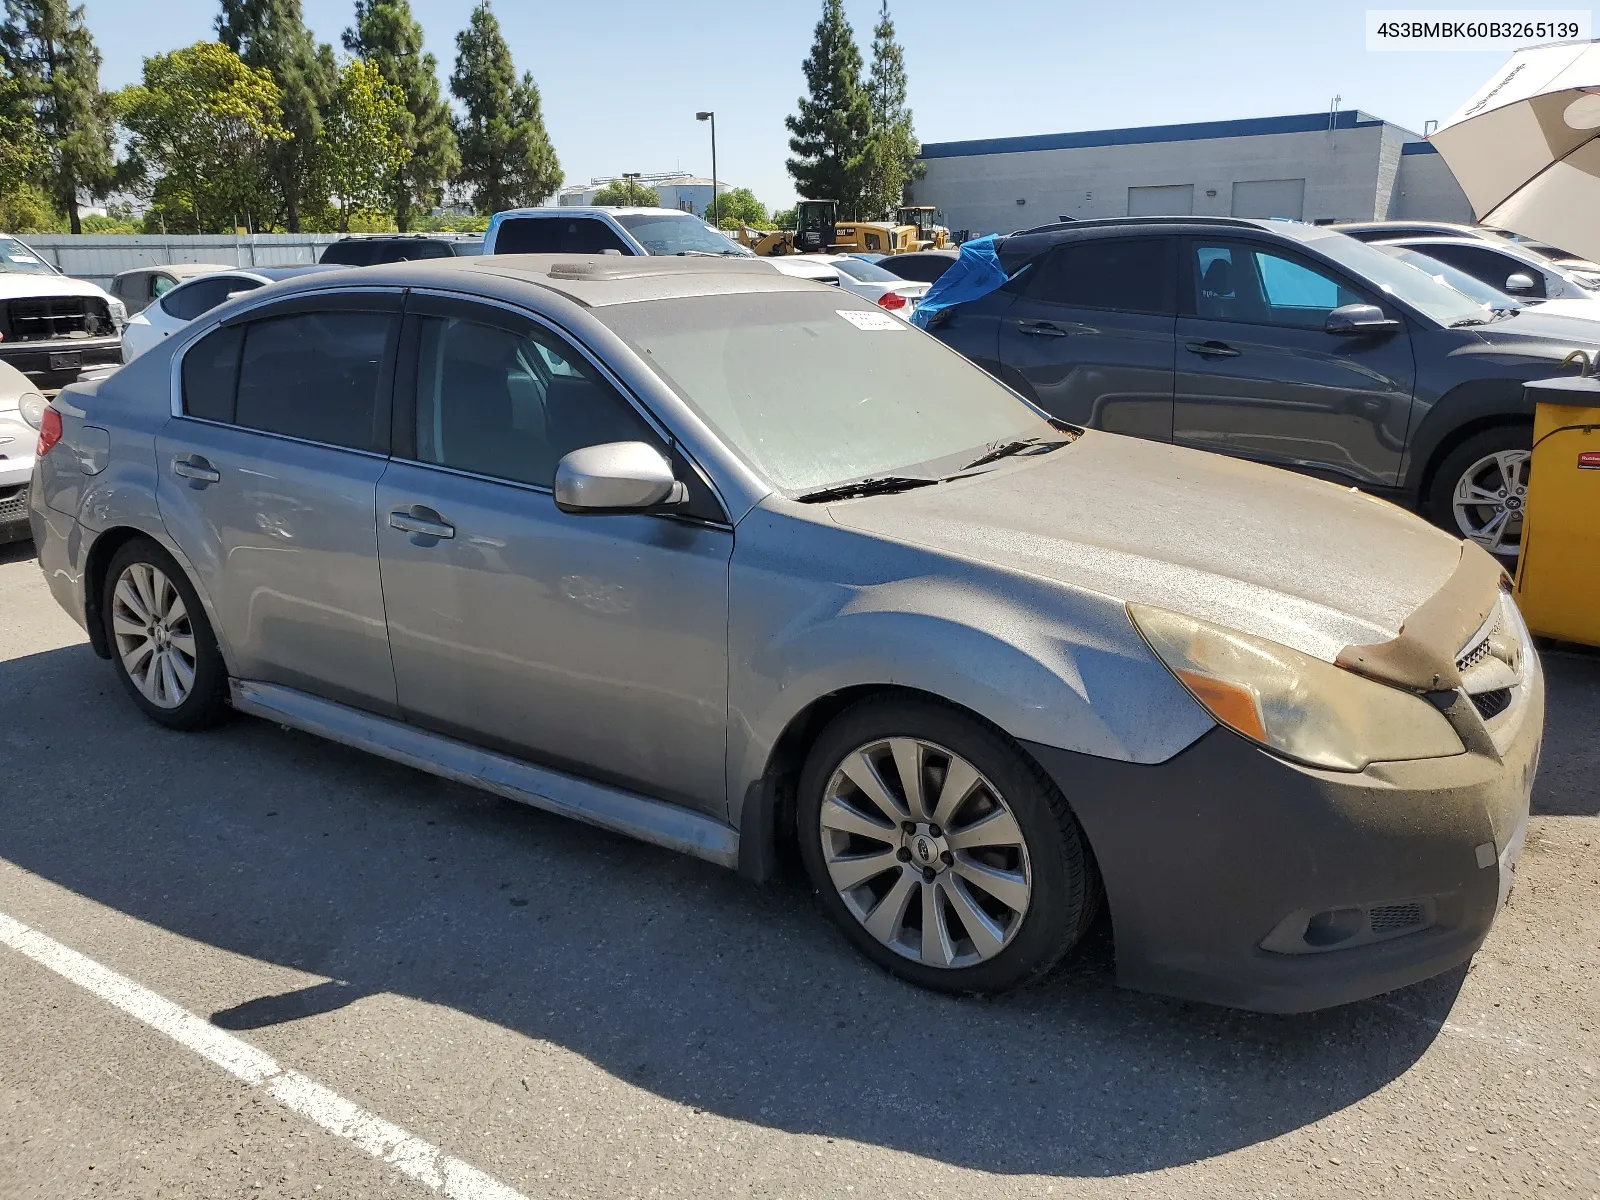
pixel 411 1156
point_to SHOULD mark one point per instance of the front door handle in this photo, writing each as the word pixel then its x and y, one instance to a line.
pixel 422 521
pixel 1212 349
pixel 1042 329
pixel 196 468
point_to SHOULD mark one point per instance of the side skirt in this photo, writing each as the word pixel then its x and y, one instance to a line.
pixel 629 813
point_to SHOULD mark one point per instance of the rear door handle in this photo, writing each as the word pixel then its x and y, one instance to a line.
pixel 422 521
pixel 1042 329
pixel 196 468
pixel 1212 349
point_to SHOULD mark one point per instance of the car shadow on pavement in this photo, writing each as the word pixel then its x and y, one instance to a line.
pixel 661 970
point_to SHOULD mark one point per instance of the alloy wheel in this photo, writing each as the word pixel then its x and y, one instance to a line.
pixel 1489 500
pixel 155 639
pixel 925 852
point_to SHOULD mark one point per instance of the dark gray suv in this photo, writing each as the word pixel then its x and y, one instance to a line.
pixel 1285 343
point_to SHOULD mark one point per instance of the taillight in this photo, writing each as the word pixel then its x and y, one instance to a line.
pixel 49 432
pixel 891 301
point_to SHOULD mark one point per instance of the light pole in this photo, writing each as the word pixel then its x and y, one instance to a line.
pixel 630 184
pixel 712 117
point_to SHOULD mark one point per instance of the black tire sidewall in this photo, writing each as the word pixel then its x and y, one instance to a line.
pixel 1441 491
pixel 1064 887
pixel 206 702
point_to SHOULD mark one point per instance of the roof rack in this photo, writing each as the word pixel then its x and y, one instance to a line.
pixel 1102 222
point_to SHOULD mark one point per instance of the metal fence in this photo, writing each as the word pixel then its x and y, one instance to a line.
pixel 99 257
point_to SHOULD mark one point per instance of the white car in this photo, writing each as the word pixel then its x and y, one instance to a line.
pixel 888 291
pixel 21 413
pixel 55 329
pixel 176 308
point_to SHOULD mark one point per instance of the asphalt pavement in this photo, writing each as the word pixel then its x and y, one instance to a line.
pixel 574 1014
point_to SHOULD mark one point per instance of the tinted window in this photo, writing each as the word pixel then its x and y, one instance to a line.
pixel 557 235
pixel 134 288
pixel 921 268
pixel 1493 269
pixel 211 373
pixel 402 251
pixel 864 272
pixel 510 405
pixel 314 376
pixel 202 295
pixel 1132 275
pixel 1235 282
pixel 668 233
pixel 351 253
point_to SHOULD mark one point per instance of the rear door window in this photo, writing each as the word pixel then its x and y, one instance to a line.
pixel 557 235
pixel 202 295
pixel 1137 275
pixel 315 376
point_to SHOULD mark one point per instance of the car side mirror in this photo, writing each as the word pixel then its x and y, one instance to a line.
pixel 1519 281
pixel 616 477
pixel 1352 320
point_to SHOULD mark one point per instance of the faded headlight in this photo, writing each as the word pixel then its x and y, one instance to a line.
pixel 32 405
pixel 1293 704
pixel 119 312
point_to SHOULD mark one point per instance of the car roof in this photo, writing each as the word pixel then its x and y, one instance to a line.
pixel 569 210
pixel 181 270
pixel 1401 226
pixel 593 281
pixel 1030 242
pixel 278 273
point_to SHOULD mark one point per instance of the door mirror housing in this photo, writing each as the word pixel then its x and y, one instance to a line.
pixel 1352 320
pixel 1519 281
pixel 616 477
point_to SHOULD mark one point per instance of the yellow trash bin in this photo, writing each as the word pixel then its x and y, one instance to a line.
pixel 1558 571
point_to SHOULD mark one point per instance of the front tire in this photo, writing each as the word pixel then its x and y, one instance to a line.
pixel 1481 489
pixel 162 647
pixel 944 853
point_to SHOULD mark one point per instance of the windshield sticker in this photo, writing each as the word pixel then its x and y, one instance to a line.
pixel 873 322
pixel 23 258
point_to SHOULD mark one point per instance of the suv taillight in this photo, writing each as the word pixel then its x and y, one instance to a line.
pixel 891 301
pixel 49 432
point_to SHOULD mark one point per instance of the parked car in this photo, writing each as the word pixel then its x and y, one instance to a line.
pixel 21 413
pixel 1506 266
pixel 885 289
pixel 711 556
pixel 53 328
pixel 601 230
pixel 138 287
pixel 189 300
pixel 806 266
pixel 365 250
pixel 1286 343
pixel 1492 298
pixel 920 266
pixel 1586 273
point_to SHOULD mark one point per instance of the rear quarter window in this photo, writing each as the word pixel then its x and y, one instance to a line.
pixel 211 375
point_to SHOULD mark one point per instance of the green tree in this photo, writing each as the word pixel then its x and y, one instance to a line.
pixel 506 155
pixel 271 35
pixel 785 218
pixel 386 35
pixel 46 50
pixel 363 149
pixel 201 126
pixel 893 147
pixel 738 206
pixel 628 193
pixel 829 135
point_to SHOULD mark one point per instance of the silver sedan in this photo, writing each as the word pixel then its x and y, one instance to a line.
pixel 734 562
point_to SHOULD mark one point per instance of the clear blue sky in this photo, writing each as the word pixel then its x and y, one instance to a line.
pixel 622 79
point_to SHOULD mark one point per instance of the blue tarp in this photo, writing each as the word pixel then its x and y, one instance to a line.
pixel 975 273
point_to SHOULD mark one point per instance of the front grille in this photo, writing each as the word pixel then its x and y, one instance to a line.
pixel 1392 918
pixel 1491 704
pixel 1478 649
pixel 56 318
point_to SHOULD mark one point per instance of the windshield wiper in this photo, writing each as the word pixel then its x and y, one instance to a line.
pixel 1007 449
pixel 697 254
pixel 1465 321
pixel 877 485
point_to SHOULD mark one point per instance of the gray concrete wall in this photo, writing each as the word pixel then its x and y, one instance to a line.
pixel 1427 191
pixel 980 192
pixel 99 257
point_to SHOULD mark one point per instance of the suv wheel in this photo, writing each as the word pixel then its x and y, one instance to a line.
pixel 162 645
pixel 943 852
pixel 1481 489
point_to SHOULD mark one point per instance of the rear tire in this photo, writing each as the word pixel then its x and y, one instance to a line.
pixel 979 891
pixel 162 647
pixel 1480 489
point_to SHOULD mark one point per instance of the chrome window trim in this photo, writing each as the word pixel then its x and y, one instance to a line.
pixel 283 437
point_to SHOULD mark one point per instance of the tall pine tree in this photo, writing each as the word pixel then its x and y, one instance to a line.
pixel 893 147
pixel 49 55
pixel 386 35
pixel 271 35
pixel 506 155
pixel 829 136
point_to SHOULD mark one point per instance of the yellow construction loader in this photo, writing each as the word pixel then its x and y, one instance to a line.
pixel 818 230
pixel 925 218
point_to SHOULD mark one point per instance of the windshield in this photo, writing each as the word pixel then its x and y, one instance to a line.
pixel 1474 289
pixel 666 233
pixel 865 272
pixel 813 389
pixel 18 259
pixel 1401 280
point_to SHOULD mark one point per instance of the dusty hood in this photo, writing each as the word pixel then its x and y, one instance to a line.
pixel 15 285
pixel 1309 564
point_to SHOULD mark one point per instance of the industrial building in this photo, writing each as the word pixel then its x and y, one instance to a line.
pixel 678 189
pixel 1341 165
